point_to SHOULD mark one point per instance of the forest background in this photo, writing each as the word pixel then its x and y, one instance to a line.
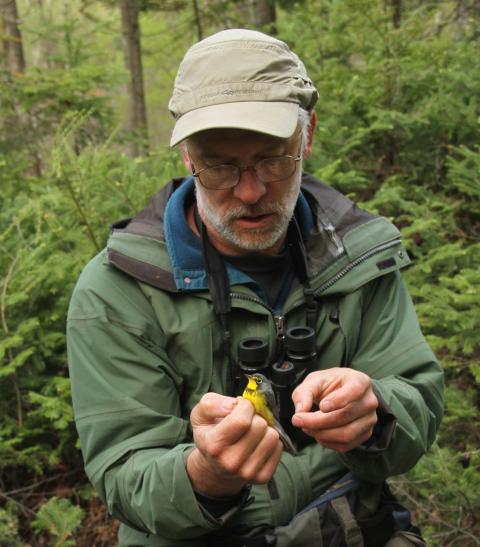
pixel 84 129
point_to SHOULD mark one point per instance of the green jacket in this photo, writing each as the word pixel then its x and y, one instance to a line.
pixel 142 352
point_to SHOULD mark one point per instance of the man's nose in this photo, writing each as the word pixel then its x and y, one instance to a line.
pixel 249 189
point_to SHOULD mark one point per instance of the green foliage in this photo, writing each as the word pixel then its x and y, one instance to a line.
pixel 462 166
pixel 47 234
pixel 448 512
pixel 9 533
pixel 60 519
pixel 41 99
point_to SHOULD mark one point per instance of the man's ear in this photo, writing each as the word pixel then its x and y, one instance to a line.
pixel 185 157
pixel 311 128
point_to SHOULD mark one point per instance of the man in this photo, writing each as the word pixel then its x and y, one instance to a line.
pixel 249 247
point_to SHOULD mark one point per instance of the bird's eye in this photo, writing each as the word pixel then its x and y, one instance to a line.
pixel 258 380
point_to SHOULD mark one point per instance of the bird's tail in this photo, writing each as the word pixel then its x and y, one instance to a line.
pixel 287 442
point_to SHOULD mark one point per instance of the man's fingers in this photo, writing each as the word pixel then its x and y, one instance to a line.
pixel 234 425
pixel 263 458
pixel 267 471
pixel 303 397
pixel 336 418
pixel 211 408
pixel 344 438
pixel 315 386
pixel 341 396
pixel 253 458
pixel 332 389
pixel 347 408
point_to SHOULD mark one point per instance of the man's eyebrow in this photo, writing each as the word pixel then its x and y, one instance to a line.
pixel 273 147
pixel 208 156
pixel 278 143
pixel 214 157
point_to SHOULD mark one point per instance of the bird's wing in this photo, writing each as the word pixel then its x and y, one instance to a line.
pixel 272 402
pixel 287 442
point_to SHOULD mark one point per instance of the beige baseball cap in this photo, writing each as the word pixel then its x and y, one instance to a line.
pixel 240 79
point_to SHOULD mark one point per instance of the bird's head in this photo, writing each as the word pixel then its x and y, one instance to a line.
pixel 255 380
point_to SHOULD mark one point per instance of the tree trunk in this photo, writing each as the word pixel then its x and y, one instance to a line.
pixel 14 61
pixel 242 14
pixel 198 22
pixel 397 13
pixel 265 15
pixel 12 37
pixel 137 113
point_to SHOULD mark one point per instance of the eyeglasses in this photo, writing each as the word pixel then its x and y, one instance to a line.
pixel 227 175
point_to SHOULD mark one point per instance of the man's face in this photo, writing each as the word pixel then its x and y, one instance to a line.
pixel 251 217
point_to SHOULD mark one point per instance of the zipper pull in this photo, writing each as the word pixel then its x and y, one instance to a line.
pixel 330 229
pixel 279 326
pixel 279 321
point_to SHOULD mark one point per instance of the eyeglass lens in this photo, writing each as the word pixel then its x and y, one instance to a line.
pixel 267 170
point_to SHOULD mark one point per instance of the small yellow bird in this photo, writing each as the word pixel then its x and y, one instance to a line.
pixel 259 392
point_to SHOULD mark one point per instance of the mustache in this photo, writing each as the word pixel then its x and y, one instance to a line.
pixel 255 210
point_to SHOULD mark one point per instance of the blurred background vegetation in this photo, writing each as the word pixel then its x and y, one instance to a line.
pixel 84 127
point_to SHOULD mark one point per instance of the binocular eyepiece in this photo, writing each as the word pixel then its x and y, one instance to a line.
pixel 253 355
pixel 300 347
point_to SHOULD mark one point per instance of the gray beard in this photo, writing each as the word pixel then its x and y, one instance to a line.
pixel 254 239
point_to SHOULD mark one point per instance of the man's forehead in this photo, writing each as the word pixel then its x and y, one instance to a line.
pixel 212 140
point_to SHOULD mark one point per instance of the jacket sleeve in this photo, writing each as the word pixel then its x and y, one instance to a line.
pixel 126 397
pixel 133 433
pixel 406 376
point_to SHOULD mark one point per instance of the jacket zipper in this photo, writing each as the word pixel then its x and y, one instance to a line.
pixel 279 320
pixel 330 282
pixel 362 258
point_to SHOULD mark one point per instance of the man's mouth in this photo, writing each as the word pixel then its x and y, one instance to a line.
pixel 253 221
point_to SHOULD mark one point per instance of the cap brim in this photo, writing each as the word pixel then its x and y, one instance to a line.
pixel 278 119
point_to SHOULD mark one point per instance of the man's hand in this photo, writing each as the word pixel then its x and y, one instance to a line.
pixel 234 446
pixel 347 408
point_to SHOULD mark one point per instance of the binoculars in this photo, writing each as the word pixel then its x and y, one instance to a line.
pixel 286 373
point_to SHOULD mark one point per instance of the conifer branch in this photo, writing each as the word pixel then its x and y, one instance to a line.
pixel 3 317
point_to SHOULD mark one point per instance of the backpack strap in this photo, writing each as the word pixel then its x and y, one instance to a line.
pixel 351 530
pixel 343 486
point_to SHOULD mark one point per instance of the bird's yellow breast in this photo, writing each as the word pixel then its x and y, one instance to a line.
pixel 259 401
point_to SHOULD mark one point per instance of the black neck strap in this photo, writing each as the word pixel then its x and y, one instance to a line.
pixel 299 257
pixel 219 288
